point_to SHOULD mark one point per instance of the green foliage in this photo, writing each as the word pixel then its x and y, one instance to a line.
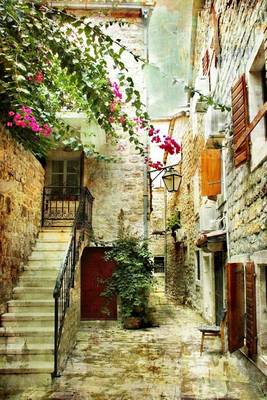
pixel 209 100
pixel 73 57
pixel 132 279
pixel 174 222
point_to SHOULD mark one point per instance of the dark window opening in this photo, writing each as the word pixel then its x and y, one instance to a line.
pixel 198 272
pixel 159 264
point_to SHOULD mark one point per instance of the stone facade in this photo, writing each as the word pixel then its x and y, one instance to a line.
pixel 181 269
pixel 21 185
pixel 118 187
pixel 233 33
pixel 245 187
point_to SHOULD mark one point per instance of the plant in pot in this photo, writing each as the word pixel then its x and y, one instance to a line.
pixel 132 279
pixel 174 222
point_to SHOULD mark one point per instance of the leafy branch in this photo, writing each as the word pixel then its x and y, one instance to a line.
pixel 209 100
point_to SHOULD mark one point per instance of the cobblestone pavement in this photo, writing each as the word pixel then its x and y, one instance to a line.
pixel 161 363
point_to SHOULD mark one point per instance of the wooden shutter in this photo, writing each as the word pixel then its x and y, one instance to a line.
pixel 235 305
pixel 251 325
pixel 240 120
pixel 206 63
pixel 210 166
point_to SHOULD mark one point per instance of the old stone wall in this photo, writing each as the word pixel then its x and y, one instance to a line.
pixel 21 186
pixel 245 186
pixel 118 187
pixel 181 250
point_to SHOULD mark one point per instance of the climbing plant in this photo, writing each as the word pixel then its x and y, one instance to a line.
pixel 52 61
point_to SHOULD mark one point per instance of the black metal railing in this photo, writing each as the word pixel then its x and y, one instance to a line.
pixel 60 204
pixel 65 279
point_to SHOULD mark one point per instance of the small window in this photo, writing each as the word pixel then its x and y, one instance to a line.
pixel 159 264
pixel 198 267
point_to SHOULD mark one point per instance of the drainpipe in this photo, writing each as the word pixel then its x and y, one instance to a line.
pixel 145 15
pixel 226 212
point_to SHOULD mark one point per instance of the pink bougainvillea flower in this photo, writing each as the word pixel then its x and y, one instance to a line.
pixel 11 113
pixel 26 110
pixel 21 123
pixel 112 106
pixel 38 77
pixel 9 124
pixel 111 119
pixel 122 119
pixel 116 90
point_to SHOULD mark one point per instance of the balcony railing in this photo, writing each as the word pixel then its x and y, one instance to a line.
pixel 60 205
pixel 66 204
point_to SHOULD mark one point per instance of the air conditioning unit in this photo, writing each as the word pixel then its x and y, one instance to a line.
pixel 202 84
pixel 215 125
pixel 207 217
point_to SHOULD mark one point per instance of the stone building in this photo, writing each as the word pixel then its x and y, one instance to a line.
pixel 222 199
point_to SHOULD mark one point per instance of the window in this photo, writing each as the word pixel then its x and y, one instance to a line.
pixel 159 264
pixel 198 267
pixel 65 173
pixel 257 96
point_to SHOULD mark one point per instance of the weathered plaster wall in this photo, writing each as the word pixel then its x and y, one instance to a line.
pixel 169 40
pixel 21 185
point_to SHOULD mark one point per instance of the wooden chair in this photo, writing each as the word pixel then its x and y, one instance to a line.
pixel 213 331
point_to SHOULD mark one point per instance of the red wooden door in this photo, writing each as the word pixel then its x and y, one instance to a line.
pixel 251 326
pixel 94 271
pixel 235 305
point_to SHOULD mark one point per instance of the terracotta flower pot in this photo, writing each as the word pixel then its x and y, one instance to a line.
pixel 132 323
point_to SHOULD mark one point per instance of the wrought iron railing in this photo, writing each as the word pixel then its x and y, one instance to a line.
pixel 60 205
pixel 65 279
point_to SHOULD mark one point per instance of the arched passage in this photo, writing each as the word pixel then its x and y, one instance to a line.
pixel 94 271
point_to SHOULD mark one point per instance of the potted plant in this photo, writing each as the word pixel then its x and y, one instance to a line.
pixel 131 280
pixel 174 222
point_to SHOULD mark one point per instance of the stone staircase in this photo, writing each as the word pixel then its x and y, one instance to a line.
pixel 27 329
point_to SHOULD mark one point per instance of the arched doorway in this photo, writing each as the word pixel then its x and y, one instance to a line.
pixel 94 271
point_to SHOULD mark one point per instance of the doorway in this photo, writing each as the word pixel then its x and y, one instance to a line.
pixel 218 272
pixel 95 270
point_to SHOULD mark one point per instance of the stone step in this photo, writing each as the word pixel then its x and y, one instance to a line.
pixel 54 234
pixel 17 377
pixel 50 245
pixel 25 355
pixel 41 272
pixel 47 255
pixel 33 293
pixel 43 263
pixel 27 320
pixel 35 281
pixel 29 306
pixel 29 335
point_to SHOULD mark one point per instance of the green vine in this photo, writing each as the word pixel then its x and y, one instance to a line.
pixel 52 61
pixel 209 100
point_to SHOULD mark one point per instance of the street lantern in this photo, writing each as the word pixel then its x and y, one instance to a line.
pixel 172 179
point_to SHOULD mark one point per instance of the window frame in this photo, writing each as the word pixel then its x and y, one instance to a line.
pixel 258 137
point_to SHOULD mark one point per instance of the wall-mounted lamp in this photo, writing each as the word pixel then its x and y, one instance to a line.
pixel 171 178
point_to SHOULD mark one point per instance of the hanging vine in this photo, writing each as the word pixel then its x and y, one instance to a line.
pixel 52 61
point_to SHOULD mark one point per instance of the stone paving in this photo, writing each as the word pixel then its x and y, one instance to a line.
pixel 160 363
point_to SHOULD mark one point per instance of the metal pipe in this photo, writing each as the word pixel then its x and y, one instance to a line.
pixel 55 373
pixel 145 137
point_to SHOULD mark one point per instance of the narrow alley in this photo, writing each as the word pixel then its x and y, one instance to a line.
pixel 164 362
